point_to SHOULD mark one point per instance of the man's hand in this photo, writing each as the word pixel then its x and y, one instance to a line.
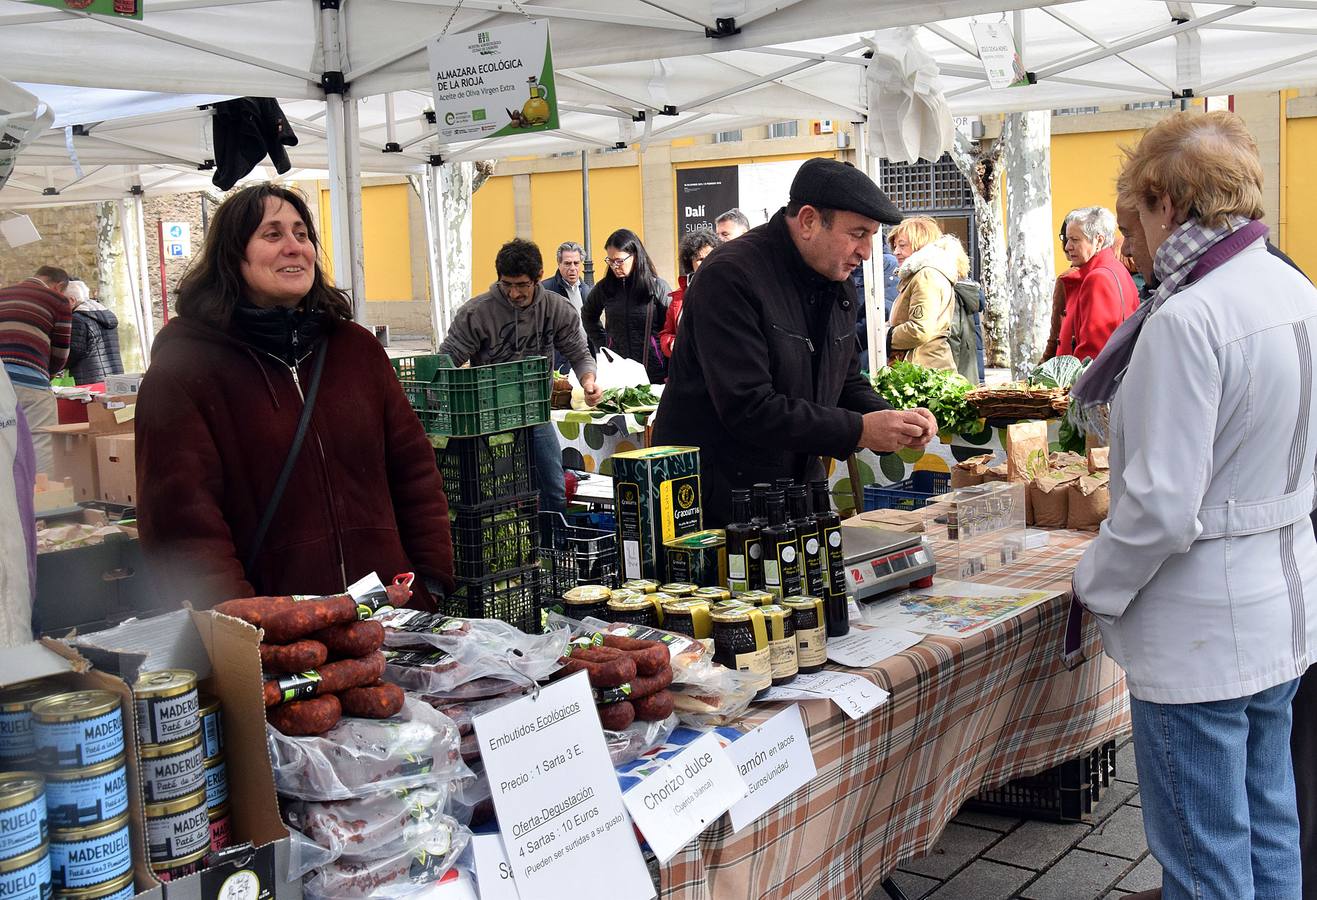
pixel 897 429
pixel 592 394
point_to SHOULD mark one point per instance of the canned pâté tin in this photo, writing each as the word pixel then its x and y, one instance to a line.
pixel 78 797
pixel 217 783
pixel 174 869
pixel 177 828
pixel 16 722
pixel 22 813
pixel 116 890
pixel 221 828
pixel 77 729
pixel 170 771
pixel 26 877
pixel 166 704
pixel 92 856
pixel 212 726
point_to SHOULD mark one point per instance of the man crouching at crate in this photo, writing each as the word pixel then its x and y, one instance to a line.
pixel 515 319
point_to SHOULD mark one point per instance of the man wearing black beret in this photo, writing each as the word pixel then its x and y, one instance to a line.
pixel 765 378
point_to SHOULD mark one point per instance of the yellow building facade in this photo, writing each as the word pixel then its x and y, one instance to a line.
pixel 541 199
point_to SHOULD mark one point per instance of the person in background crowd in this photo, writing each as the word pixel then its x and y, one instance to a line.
pixel 569 280
pixel 94 339
pixel 516 318
pixel 264 349
pixel 891 281
pixel 690 253
pixel 1201 577
pixel 923 314
pixel 1127 223
pixel 35 321
pixel 765 378
pixel 18 523
pixel 1102 294
pixel 634 300
pixel 731 224
pixel 967 324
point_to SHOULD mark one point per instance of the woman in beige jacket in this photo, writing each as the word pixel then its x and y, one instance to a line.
pixel 923 312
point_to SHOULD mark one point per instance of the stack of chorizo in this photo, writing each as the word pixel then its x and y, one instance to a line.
pixel 629 677
pixel 321 657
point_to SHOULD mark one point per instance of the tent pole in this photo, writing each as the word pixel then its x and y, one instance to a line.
pixel 875 310
pixel 587 273
pixel 143 344
pixel 352 154
pixel 429 194
pixel 339 133
pixel 144 277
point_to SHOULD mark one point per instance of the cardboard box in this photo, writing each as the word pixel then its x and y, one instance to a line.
pixel 111 414
pixel 657 497
pixel 906 521
pixel 50 496
pixel 95 586
pixel 73 452
pixel 64 669
pixel 225 654
pixel 116 468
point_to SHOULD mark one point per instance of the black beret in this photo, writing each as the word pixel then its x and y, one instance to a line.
pixel 828 184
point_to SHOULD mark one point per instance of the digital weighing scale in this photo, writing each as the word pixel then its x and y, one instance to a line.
pixel 879 562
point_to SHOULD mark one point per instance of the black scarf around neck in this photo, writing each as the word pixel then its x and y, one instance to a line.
pixel 288 334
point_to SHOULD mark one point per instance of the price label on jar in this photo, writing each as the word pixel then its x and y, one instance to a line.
pixel 565 830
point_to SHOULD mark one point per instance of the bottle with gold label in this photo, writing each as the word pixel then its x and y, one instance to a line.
pixel 829 524
pixel 535 111
pixel 745 564
pixel 781 546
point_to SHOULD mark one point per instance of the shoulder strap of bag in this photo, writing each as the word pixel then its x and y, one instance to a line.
pixel 303 423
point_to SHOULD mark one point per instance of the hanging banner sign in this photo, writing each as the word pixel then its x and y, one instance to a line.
pixel 1001 61
pixel 118 9
pixel 493 83
pixel 702 195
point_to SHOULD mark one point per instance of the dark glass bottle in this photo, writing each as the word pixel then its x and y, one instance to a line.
pixel 783 485
pixel 759 503
pixel 829 529
pixel 745 558
pixel 781 545
pixel 813 552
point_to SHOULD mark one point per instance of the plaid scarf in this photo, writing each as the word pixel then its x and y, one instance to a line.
pixel 1177 260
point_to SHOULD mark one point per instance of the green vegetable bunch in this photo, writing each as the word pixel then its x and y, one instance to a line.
pixel 620 400
pixel 906 385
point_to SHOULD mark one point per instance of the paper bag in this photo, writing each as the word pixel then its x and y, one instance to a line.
pixel 970 472
pixel 1050 498
pixel 1099 459
pixel 1026 450
pixel 1090 498
pixel 995 473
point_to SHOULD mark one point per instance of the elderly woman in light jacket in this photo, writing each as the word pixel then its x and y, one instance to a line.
pixel 1204 576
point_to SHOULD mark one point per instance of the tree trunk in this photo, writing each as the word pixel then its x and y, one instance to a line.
pixel 115 289
pixel 455 183
pixel 1030 273
pixel 982 167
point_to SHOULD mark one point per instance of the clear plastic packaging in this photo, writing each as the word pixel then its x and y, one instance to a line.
pixel 419 746
pixel 637 739
pixel 381 824
pixel 437 654
pixel 407 872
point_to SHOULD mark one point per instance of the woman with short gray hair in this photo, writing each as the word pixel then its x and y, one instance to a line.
pixel 1100 294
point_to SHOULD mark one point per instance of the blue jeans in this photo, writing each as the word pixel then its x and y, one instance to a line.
pixel 547 455
pixel 1218 796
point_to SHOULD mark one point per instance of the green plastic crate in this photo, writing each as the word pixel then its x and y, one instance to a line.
pixel 477 399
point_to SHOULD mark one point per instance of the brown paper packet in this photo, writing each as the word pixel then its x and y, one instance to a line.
pixel 996 473
pixel 1050 498
pixel 1090 498
pixel 970 472
pixel 1099 459
pixel 1026 450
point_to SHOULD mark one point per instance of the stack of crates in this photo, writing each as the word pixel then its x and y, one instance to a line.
pixel 478 420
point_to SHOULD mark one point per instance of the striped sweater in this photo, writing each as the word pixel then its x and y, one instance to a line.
pixel 35 322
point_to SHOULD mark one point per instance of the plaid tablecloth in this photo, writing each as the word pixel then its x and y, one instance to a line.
pixel 965 715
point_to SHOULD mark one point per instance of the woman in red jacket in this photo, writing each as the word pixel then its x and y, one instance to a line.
pixel 1101 294
pixel 260 335
pixel 690 253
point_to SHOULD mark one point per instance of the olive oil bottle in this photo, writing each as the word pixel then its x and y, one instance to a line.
pixel 745 558
pixel 813 552
pixel 829 530
pixel 781 546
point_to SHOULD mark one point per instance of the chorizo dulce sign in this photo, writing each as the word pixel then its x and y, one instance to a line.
pixel 493 83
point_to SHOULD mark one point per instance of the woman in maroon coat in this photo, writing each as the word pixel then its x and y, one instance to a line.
pixel 219 408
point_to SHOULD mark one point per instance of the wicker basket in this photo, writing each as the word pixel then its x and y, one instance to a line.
pixel 1015 401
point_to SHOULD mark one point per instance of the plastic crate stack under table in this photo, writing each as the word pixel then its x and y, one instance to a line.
pixel 479 420
pixel 577 549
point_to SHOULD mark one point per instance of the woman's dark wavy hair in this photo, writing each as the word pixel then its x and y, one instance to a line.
pixel 692 244
pixel 213 283
pixel 642 269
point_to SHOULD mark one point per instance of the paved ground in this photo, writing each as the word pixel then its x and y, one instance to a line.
pixel 987 857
